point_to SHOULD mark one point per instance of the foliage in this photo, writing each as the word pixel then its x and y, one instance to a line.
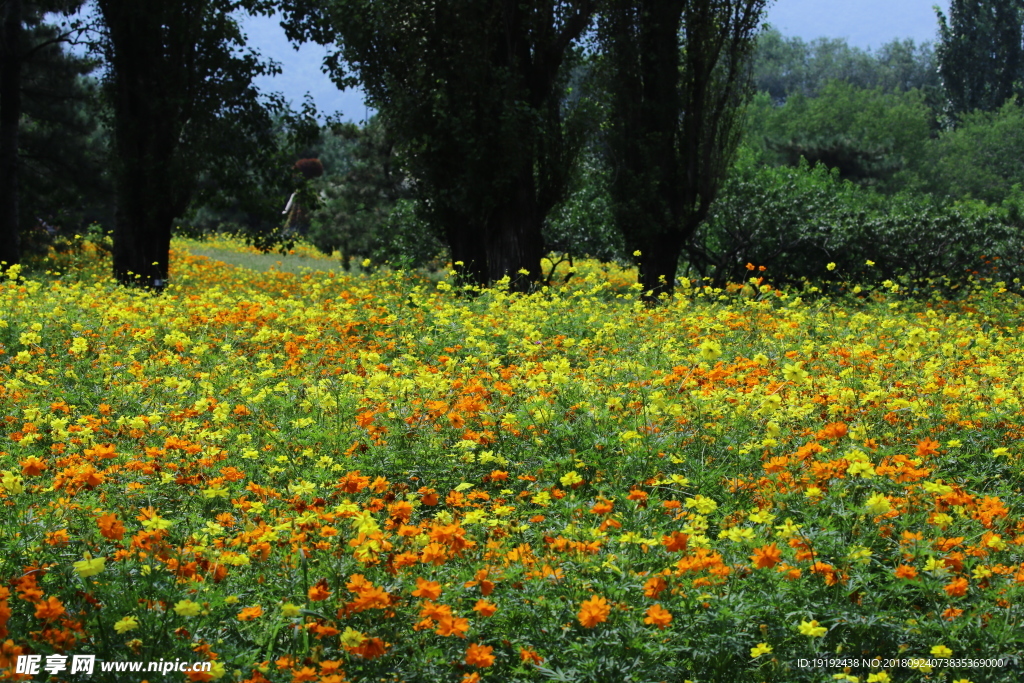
pixel 183 107
pixel 330 477
pixel 784 67
pixel 982 158
pixel 64 182
pixel 874 137
pixel 679 78
pixel 981 54
pixel 364 206
pixel 583 226
pixel 472 94
pixel 28 47
pixel 798 221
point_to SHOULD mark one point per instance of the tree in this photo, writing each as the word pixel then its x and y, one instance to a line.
pixel 788 66
pixel 472 92
pixel 680 74
pixel 872 136
pixel 981 53
pixel 183 103
pixel 63 146
pixel 18 47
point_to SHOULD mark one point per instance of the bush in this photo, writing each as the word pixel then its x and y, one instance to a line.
pixel 796 221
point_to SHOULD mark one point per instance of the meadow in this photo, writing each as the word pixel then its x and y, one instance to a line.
pixel 373 476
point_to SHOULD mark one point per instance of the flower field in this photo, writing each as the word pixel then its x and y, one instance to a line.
pixel 370 477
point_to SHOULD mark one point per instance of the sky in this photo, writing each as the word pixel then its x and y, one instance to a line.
pixel 866 24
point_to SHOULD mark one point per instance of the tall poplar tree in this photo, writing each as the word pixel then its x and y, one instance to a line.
pixel 19 45
pixel 183 101
pixel 473 93
pixel 680 74
pixel 981 53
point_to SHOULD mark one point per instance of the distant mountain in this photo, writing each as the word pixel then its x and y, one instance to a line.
pixel 863 23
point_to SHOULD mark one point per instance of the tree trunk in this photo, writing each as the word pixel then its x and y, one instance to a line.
pixel 466 246
pixel 514 241
pixel 142 242
pixel 658 263
pixel 10 115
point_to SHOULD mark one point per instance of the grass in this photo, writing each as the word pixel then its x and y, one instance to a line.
pixel 321 476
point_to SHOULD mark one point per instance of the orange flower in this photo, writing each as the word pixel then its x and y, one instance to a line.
pixel 528 655
pixel 484 608
pixel 319 591
pixel 110 527
pixel 594 611
pixel 951 613
pixel 430 590
pixel 32 466
pixel 250 613
pixel 906 571
pixel 103 451
pixel 658 616
pixel 435 553
pixel 654 586
pixel 58 538
pixel 49 609
pixel 479 655
pixel 371 648
pixel 956 588
pixel 303 675
pixel 675 542
pixel 452 626
pixel 601 506
pixel 766 556
pixel 927 446
pixel 834 430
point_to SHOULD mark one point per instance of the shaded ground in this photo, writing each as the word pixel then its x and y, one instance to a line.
pixel 288 263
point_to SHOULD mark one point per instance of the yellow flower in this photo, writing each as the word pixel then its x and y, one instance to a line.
pixel 941 651
pixel 794 372
pixel 710 350
pixel 870 262
pixel 811 629
pixel 11 482
pixel 366 263
pixel 125 624
pixel 187 608
pixel 89 566
pixel 352 637
pixel 877 504
pixel 571 478
pixel 880 677
pixel 636 253
pixel 289 610
pixel 831 266
pixel 156 522
pixel 760 649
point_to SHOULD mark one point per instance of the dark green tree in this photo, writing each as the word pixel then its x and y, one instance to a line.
pixel 21 42
pixel 472 92
pixel 183 107
pixel 981 53
pixel 63 145
pixel 679 79
pixel 871 136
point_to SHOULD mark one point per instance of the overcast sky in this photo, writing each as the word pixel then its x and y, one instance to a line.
pixel 866 24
